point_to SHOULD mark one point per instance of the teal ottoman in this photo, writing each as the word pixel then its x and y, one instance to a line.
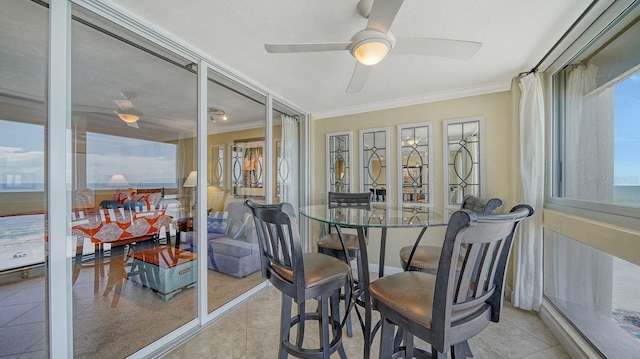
pixel 166 270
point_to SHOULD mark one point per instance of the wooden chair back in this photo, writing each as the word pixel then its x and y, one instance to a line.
pixel 352 200
pixel 280 246
pixel 478 288
pixel 479 205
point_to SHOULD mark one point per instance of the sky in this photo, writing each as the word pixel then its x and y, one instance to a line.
pixel 22 159
pixel 627 132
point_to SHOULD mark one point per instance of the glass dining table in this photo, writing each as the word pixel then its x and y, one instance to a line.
pixel 384 218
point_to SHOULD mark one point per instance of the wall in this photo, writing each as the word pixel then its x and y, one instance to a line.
pixel 496 108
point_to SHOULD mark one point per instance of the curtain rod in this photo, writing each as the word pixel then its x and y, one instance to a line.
pixel 564 36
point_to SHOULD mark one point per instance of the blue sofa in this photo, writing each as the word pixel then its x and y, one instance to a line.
pixel 232 241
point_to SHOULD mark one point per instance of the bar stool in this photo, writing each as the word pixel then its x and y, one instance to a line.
pixel 426 258
pixel 300 277
pixel 345 246
pixel 448 308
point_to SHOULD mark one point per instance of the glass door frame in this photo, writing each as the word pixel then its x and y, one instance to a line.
pixel 59 144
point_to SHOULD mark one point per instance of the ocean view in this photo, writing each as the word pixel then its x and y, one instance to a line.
pixel 627 195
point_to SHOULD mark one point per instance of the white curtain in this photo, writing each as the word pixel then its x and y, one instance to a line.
pixel 527 292
pixel 589 136
pixel 582 275
pixel 288 163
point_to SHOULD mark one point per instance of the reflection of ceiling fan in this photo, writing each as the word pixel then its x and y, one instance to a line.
pixel 370 45
pixel 126 111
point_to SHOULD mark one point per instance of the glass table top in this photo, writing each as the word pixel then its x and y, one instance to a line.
pixel 379 216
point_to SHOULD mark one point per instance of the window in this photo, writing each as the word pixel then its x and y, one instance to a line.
pixel 21 157
pixel 600 130
pixel 414 161
pixel 596 174
pixel 143 164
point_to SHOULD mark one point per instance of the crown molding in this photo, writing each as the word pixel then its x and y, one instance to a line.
pixel 415 100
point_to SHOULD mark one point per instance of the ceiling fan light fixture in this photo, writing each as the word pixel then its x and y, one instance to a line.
pixel 371 52
pixel 216 112
pixel 371 46
pixel 129 116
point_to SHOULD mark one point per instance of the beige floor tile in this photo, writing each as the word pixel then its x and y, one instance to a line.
pixel 552 353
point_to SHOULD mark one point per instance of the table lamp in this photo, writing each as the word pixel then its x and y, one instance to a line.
pixel 192 181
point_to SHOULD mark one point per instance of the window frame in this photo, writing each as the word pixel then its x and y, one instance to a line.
pixel 615 20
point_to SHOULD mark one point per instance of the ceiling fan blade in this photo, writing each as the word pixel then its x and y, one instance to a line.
pixel 457 49
pixel 382 14
pixel 133 124
pixel 311 47
pixel 124 104
pixel 359 77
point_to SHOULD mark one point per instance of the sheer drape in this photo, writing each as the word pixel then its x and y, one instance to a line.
pixel 582 274
pixel 527 292
pixel 288 164
pixel 588 137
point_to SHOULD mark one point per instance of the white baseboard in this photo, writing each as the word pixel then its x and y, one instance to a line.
pixel 572 341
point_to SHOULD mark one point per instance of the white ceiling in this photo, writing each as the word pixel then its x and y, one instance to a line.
pixel 515 35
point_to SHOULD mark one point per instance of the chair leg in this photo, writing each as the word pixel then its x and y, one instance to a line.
pixel 437 355
pixel 408 344
pixel 336 321
pixel 285 321
pixel 459 351
pixel 386 339
pixel 347 306
pixel 301 315
pixel 467 348
pixel 324 326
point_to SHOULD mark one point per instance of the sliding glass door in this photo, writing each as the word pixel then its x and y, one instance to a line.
pixel 113 262
pixel 134 117
pixel 23 113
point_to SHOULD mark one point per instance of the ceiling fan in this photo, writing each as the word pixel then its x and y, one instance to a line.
pixel 370 45
pixel 126 110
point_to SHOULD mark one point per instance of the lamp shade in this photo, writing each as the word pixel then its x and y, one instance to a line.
pixel 117 180
pixel 192 179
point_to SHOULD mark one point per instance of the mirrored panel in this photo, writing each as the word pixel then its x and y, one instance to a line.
pixel 414 164
pixel 339 161
pixel 374 154
pixel 24 29
pixel 462 156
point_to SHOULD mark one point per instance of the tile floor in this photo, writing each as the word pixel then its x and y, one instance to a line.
pixel 23 326
pixel 251 331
